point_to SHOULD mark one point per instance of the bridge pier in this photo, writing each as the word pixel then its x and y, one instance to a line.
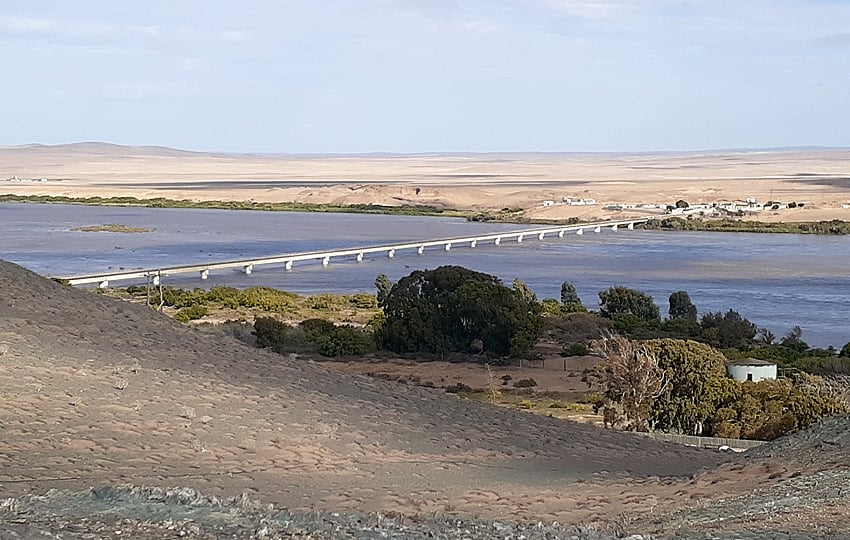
pixel 519 239
pixel 561 233
pixel 288 265
pixel 205 274
pixel 631 226
pixel 448 246
pixel 597 229
pixel 613 227
pixel 473 244
pixel 326 261
pixel 155 280
pixel 360 257
pixel 498 240
pixel 391 253
pixel 420 250
pixel 580 232
pixel 103 284
pixel 541 235
pixel 249 269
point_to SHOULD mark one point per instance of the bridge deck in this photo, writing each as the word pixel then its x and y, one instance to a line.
pixel 288 259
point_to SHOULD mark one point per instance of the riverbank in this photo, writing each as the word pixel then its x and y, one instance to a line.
pixel 508 215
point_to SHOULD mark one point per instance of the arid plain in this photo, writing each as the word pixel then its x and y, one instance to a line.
pixel 820 178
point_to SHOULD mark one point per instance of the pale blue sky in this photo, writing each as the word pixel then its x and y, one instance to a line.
pixel 426 75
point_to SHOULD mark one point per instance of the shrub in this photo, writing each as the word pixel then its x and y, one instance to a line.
pixel 270 332
pixel 326 301
pixel 457 388
pixel 525 383
pixel 316 328
pixel 267 299
pixel 576 349
pixel 363 301
pixel 345 340
pixel 226 296
pixel 191 313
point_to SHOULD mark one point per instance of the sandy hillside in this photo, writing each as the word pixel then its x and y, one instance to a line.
pixel 821 178
pixel 98 392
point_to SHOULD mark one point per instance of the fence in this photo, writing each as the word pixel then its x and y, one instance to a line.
pixel 704 442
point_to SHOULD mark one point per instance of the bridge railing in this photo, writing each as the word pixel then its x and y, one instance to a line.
pixel 289 259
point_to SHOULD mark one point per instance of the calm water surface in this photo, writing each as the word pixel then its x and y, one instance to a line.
pixel 775 280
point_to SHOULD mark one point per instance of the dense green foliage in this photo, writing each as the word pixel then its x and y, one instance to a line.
pixel 191 313
pixel 384 285
pixel 310 335
pixel 727 330
pixel 696 384
pixel 448 308
pixel 570 301
pixel 681 307
pixel 769 409
pixel 835 226
pixel 622 301
pixel 681 386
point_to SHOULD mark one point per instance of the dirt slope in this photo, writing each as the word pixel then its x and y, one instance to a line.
pixel 96 391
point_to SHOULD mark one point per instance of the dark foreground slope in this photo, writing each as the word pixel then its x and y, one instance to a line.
pixel 99 393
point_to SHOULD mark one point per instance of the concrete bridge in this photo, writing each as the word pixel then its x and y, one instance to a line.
pixel 288 260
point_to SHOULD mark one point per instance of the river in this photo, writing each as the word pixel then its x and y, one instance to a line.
pixel 775 280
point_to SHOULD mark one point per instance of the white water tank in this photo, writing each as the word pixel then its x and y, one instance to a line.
pixel 751 369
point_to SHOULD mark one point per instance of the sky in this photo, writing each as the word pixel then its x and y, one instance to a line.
pixel 411 76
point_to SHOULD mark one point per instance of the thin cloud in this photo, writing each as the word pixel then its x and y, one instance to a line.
pixel 838 41
pixel 139 90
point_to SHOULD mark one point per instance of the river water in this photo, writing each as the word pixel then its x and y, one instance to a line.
pixel 775 280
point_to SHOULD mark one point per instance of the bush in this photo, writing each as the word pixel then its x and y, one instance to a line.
pixel 345 340
pixel 576 349
pixel 363 301
pixel 226 296
pixel 270 332
pixel 267 299
pixel 457 388
pixel 327 301
pixel 316 328
pixel 191 313
pixel 525 383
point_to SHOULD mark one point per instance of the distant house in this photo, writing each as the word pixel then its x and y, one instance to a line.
pixel 548 203
pixel 751 369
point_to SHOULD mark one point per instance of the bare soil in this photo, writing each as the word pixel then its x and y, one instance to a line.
pixel 97 392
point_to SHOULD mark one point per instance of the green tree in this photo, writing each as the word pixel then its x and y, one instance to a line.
pixel 446 309
pixel 794 340
pixel 624 301
pixel 845 351
pixel 570 301
pixel 384 286
pixel 524 291
pixel 681 307
pixel 727 331
pixel 696 385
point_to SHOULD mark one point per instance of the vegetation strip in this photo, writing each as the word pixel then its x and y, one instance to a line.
pixel 668 374
pixel 161 202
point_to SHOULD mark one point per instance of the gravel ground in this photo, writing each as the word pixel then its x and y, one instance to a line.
pixel 155 513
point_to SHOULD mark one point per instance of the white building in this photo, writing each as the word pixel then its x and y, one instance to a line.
pixel 751 369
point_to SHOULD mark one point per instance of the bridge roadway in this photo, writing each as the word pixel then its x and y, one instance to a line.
pixel 289 259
